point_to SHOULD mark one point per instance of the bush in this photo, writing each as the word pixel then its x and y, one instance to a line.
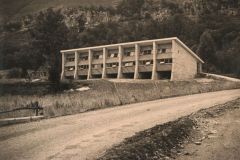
pixel 14 73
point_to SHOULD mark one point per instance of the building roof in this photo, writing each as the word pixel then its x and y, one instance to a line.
pixel 131 43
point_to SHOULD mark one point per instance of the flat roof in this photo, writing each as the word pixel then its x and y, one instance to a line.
pixel 136 42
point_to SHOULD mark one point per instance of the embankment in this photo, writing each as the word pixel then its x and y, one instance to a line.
pixel 104 93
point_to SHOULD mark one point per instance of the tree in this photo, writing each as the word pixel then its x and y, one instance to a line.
pixel 206 50
pixel 28 58
pixel 130 8
pixel 49 36
pixel 172 5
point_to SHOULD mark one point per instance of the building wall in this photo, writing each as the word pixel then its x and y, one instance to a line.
pixel 184 64
pixel 153 59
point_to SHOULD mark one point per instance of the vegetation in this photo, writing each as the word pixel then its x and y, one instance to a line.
pixel 25 7
pixel 48 37
pixel 101 94
pixel 214 36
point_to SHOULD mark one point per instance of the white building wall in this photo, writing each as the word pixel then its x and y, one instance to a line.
pixel 184 64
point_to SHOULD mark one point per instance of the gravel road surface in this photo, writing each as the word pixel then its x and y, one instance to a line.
pixel 88 135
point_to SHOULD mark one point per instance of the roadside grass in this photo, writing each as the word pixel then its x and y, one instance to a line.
pixel 102 94
pixel 151 90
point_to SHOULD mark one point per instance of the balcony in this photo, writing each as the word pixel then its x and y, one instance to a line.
pixel 97 61
pixel 70 63
pixel 82 72
pixel 128 58
pixel 146 57
pixel 97 71
pixel 112 59
pixel 113 70
pixel 69 73
pixel 83 62
pixel 164 55
pixel 164 67
pixel 128 69
pixel 145 68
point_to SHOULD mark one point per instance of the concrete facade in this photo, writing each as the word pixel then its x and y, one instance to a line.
pixel 167 58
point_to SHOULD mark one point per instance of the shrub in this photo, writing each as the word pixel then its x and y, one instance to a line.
pixel 14 73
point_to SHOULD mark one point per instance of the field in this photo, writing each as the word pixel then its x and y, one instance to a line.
pixel 102 94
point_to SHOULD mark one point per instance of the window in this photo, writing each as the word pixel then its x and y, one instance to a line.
pixel 113 55
pixel 98 56
pixel 146 62
pixel 94 66
pixel 70 68
pixel 162 61
pixel 166 61
pixel 83 58
pixel 95 56
pixel 132 53
pixel 83 67
pixel 112 65
pixel 70 59
pixel 97 66
pixel 164 50
pixel 129 64
pixel 129 53
pixel 146 52
pixel 149 62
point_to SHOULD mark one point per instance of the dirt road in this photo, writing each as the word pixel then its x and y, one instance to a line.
pixel 88 135
pixel 221 143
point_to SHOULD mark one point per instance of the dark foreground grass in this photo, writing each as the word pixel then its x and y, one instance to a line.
pixel 165 141
pixel 155 143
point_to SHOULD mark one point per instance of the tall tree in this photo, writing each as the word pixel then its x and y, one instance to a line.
pixel 49 36
pixel 28 58
pixel 207 51
pixel 130 8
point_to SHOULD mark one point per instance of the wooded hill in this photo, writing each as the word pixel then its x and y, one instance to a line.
pixel 210 28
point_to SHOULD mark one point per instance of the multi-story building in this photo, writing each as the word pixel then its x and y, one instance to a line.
pixel 167 58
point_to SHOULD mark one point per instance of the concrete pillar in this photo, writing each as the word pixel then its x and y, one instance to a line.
pixel 120 55
pixel 104 62
pixel 199 67
pixel 76 66
pixel 174 52
pixel 89 64
pixel 154 70
pixel 63 66
pixel 137 50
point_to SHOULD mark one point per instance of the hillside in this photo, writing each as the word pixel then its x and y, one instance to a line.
pixel 209 28
pixel 18 8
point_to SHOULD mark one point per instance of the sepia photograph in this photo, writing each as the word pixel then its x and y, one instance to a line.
pixel 119 79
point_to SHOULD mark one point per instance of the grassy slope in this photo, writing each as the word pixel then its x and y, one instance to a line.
pixel 16 8
pixel 105 94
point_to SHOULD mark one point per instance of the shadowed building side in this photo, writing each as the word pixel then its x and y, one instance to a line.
pixel 167 58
